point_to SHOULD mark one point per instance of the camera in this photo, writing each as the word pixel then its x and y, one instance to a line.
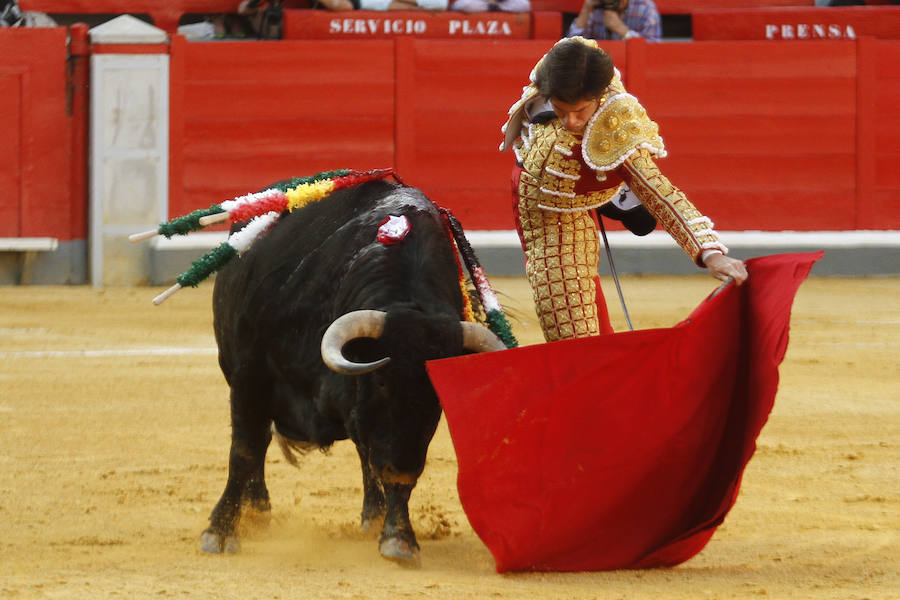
pixel 607 4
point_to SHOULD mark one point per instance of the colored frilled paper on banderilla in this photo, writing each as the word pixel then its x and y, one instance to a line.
pixel 619 451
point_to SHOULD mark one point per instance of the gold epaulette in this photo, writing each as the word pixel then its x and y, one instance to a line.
pixel 616 131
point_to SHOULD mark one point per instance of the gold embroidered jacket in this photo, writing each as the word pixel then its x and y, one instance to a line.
pixel 564 171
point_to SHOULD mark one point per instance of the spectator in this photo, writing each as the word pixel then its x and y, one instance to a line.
pixel 263 17
pixel 12 16
pixel 473 6
pixel 617 20
pixel 383 5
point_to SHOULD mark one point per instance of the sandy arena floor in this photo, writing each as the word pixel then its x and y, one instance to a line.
pixel 114 434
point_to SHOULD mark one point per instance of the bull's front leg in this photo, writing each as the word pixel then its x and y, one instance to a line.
pixel 256 495
pixel 398 540
pixel 373 509
pixel 250 439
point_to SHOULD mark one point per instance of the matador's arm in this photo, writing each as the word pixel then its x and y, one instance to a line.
pixel 693 231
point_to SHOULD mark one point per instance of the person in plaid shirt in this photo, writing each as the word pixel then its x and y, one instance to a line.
pixel 617 20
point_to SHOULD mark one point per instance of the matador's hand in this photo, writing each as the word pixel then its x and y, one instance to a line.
pixel 723 267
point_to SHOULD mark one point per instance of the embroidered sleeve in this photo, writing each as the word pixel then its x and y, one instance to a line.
pixel 693 231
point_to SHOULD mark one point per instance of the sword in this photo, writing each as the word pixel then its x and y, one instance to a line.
pixel 612 269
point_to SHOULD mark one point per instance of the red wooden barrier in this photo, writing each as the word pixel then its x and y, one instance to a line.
pixel 830 23
pixel 78 107
pixel 370 25
pixel 768 135
pixel 449 118
pixel 763 137
pixel 878 135
pixel 42 149
pixel 449 131
pixel 10 145
pixel 245 114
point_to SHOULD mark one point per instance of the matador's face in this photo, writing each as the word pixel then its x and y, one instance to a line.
pixel 575 115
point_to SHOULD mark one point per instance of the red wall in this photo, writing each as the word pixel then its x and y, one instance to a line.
pixel 761 135
pixel 42 147
pixel 767 131
pixel 878 135
pixel 245 114
pixel 448 123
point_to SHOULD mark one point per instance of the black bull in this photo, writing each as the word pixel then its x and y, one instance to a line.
pixel 386 308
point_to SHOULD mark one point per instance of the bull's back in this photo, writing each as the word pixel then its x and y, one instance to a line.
pixel 323 260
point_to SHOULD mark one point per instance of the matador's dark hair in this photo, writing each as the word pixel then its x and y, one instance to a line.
pixel 574 71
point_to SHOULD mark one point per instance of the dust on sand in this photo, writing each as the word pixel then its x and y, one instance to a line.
pixel 114 434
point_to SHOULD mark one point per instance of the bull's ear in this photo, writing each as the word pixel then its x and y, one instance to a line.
pixel 353 325
pixel 477 338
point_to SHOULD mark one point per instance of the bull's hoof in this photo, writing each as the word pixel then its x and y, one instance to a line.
pixel 401 552
pixel 215 543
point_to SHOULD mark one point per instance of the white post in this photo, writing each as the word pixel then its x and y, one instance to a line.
pixel 129 148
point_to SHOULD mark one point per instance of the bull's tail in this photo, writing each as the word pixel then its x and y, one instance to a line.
pixel 291 449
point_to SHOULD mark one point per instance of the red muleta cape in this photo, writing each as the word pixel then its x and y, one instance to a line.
pixel 624 450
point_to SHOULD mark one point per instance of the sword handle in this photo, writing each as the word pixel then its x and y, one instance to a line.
pixel 728 281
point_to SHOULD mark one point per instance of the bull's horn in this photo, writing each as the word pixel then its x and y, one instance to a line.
pixel 478 338
pixel 356 324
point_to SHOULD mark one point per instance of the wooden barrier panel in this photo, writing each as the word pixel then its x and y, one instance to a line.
pixel 372 25
pixel 452 99
pixel 828 23
pixel 10 147
pixel 245 114
pixel 43 190
pixel 762 137
pixel 878 139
